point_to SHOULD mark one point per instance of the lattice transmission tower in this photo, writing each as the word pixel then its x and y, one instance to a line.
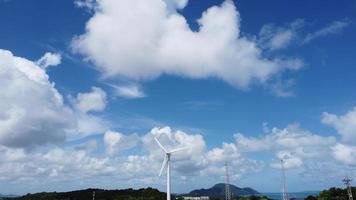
pixel 227 183
pixel 284 193
pixel 347 182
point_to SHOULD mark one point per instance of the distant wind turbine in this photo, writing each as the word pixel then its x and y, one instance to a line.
pixel 167 164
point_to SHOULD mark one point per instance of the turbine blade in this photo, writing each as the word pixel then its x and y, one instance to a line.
pixel 178 149
pixel 160 145
pixel 164 164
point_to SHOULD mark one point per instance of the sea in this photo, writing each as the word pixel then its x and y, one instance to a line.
pixel 292 195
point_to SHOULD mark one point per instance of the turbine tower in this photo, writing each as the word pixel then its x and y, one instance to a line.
pixel 167 164
pixel 347 182
pixel 283 180
pixel 227 183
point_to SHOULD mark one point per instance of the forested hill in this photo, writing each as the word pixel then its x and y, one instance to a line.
pixel 219 190
pixel 127 194
pixel 333 193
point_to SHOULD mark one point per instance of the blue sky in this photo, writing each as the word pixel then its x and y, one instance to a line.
pixel 87 85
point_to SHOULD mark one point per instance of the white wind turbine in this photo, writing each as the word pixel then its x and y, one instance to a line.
pixel 167 163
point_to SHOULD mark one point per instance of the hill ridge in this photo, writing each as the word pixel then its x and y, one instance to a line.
pixel 219 190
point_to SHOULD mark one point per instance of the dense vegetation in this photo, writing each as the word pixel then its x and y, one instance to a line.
pixel 333 194
pixel 127 194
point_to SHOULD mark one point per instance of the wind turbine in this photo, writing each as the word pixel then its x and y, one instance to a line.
pixel 167 164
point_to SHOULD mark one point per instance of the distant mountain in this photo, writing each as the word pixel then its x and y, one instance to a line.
pixel 219 190
pixel 8 195
pixel 148 193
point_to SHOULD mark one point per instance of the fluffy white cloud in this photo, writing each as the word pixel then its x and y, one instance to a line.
pixel 197 160
pixel 143 39
pixel 345 154
pixel 190 160
pixel 32 110
pixel 59 163
pixel 291 143
pixel 289 160
pixel 333 28
pixel 344 124
pixel 49 59
pixel 92 101
pixel 116 142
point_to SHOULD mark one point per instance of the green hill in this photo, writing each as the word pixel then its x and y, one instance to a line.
pixel 219 190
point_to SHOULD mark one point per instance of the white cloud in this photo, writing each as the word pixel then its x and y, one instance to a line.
pixel 88 124
pixel 49 59
pixel 59 163
pixel 88 146
pixel 32 110
pixel 289 160
pixel 89 4
pixel 344 124
pixel 291 143
pixel 197 160
pixel 143 39
pixel 274 37
pixel 333 28
pixel 129 91
pixel 176 4
pixel 345 154
pixel 92 101
pixel 116 142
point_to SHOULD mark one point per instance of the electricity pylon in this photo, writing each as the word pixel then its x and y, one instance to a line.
pixel 284 193
pixel 347 182
pixel 227 183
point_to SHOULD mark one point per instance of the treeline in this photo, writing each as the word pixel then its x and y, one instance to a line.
pixel 127 194
pixel 333 194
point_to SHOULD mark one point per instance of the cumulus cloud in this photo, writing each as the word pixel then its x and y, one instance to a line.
pixel 116 142
pixel 291 143
pixel 197 159
pixel 143 39
pixel 333 28
pixel 32 110
pixel 92 101
pixel 59 163
pixel 49 59
pixel 344 124
pixel 289 160
pixel 345 153
pixel 141 167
